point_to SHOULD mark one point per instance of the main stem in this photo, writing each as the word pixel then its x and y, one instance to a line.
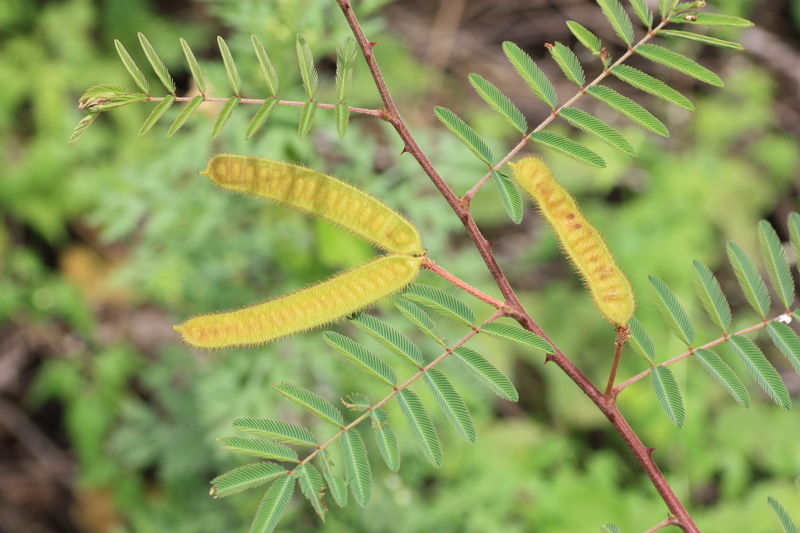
pixel 514 308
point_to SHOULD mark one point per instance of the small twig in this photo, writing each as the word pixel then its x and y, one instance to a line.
pixel 374 112
pixel 661 525
pixel 430 265
pixel 623 334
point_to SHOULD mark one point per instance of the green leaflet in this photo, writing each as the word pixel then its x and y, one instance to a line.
pixel 345 60
pixel 312 402
pixel 337 488
pixel 270 76
pixel 81 128
pixel 640 341
pixel 421 426
pixel 358 401
pixel 308 70
pixel 451 403
pixel 359 475
pixel 676 61
pixel 787 342
pixel 440 301
pixel 671 309
pixel 776 262
pixel 499 102
pixel 342 115
pixel 753 286
pixel 273 505
pixel 597 128
pixel 244 478
pixel 793 221
pixel 785 520
pixel 641 10
pixel 517 335
pixel 629 108
pixel 726 377
pixel 230 66
pixel 277 430
pixel 158 65
pixel 487 373
pixel 306 119
pixel 665 7
pixel 156 114
pixel 569 148
pixel 568 63
pixel 645 82
pixel 390 338
pixel 467 135
pixel 194 66
pixel 712 19
pixel 361 358
pixel 312 487
pixel 762 371
pixel 509 195
pixel 386 439
pixel 260 116
pixel 419 318
pixel 587 38
pixel 224 115
pixel 185 113
pixel 619 20
pixel 700 38
pixel 259 448
pixel 710 293
pixel 130 65
pixel 531 74
pixel 611 528
pixel 668 394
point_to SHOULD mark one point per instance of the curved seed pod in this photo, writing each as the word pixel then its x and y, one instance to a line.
pixel 308 308
pixel 317 194
pixel 582 243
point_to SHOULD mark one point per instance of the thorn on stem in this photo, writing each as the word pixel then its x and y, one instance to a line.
pixel 372 44
pixel 404 150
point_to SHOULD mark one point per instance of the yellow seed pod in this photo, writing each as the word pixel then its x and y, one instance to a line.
pixel 319 195
pixel 308 308
pixel 582 243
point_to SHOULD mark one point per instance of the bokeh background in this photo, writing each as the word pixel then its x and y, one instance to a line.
pixel 108 424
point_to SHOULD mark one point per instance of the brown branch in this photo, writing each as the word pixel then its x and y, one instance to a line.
pixel 623 334
pixel 464 286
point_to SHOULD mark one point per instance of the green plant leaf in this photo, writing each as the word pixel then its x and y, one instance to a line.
pixel 312 402
pixel 260 116
pixel 787 524
pixel 440 301
pixel 645 82
pixel 700 38
pixel 611 528
pixel 726 377
pixel 569 148
pixel 710 293
pixel 568 63
pixel 130 65
pixel 386 439
pixel 762 371
pixel 81 128
pixel 337 487
pixel 157 113
pixel 270 76
pixel 776 262
pixel 499 102
pixel 531 74
pixel 312 487
pixel 619 20
pixel 308 70
pixel 452 405
pixel 259 448
pixel 713 19
pixel 358 401
pixel 390 338
pixel 671 309
pixel 517 335
pixel 793 221
pixel 597 128
pixel 244 478
pixel 665 7
pixel 342 115
pixel 417 316
pixel 668 394
pixel 230 67
pixel 587 38
pixel 509 195
pixel 681 63
pixel 642 11
pixel 486 373
pixel 361 358
pixel 345 61
pixel 466 134
pixel 356 464
pixel 277 430
pixel 185 113
pixel 306 119
pixel 640 341
pixel 629 108
pixel 224 115
pixel 751 282
pixel 158 66
pixel 273 505
pixel 194 66
pixel 421 426
pixel 787 342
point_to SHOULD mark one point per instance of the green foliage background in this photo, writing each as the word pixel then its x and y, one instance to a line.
pixel 139 413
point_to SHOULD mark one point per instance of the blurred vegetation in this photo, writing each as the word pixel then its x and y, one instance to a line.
pixel 103 246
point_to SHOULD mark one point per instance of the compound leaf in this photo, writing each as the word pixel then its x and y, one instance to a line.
pixel 467 135
pixel 531 73
pixel 751 282
pixel 419 318
pixel 499 102
pixel 487 373
pixel 668 394
pixel 337 487
pixel 762 371
pixel 726 377
pixel 451 403
pixel 130 65
pixel 611 528
pixel 777 264
pixel 793 222
pixel 671 309
pixel 277 430
pixel 356 464
pixel 260 116
pixel 665 7
pixel 517 335
pixel 619 20
pixel 158 65
pixel 681 63
pixel 342 115
pixel 270 76
pixel 230 66
pixel 224 115
pixel 568 63
pixel 629 108
pixel 642 11
pixel 700 38
pixel 649 84
pixel 194 66
pixel 312 402
pixel 787 342
pixel 156 114
pixel 640 341
pixel 244 478
pixel 440 301
pixel 361 358
pixel 345 61
pixel 711 295
pixel 308 70
pixel 597 128
pixel 421 426
pixel 312 487
pixel 185 113
pixel 787 524
pixel 259 448
pixel 273 505
pixel 306 119
pixel 713 19
pixel 390 338
pixel 387 441
pixel 587 38
pixel 81 128
pixel 509 195
pixel 569 148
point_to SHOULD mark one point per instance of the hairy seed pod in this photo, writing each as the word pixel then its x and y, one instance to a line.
pixel 308 308
pixel 582 243
pixel 319 195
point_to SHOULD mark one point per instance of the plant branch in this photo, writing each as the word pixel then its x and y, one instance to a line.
pixel 623 334
pixel 661 525
pixel 464 286
pixel 374 112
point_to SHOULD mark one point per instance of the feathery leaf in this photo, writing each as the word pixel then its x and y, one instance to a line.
pixel 619 20
pixel 308 71
pixel 356 464
pixel 230 66
pixel 224 115
pixel 629 108
pixel 337 488
pixel 361 358
pixel 671 309
pixel 668 394
pixel 390 338
pixel 517 335
pixel 194 66
pixel 440 301
pixel 312 487
pixel 358 401
pixel 724 374
pixel 276 430
pixel 640 341
pixel 762 371
pixel 665 7
pixel 499 102
pixel 157 113
pixel 777 264
pixel 158 65
pixel 342 115
pixel 787 342
pixel 793 221
pixel 597 128
pixel 587 38
pixel 681 63
pixel 569 148
pixel 649 84
pixel 345 61
pixel 130 65
pixel 531 73
pixel 451 403
pixel 751 282
pixel 487 373
pixel 421 426
pixel 509 195
pixel 467 135
pixel 641 10
pixel 312 402
pixel 306 119
pixel 700 38
pixel 273 505
pixel 713 19
pixel 259 448
pixel 710 293
pixel 787 524
pixel 386 439
pixel 244 478
pixel 419 318
pixel 568 63
pixel 185 113
pixel 81 128
pixel 611 528
pixel 260 116
pixel 270 76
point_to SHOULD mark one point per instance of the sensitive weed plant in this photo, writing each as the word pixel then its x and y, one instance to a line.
pixel 291 454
